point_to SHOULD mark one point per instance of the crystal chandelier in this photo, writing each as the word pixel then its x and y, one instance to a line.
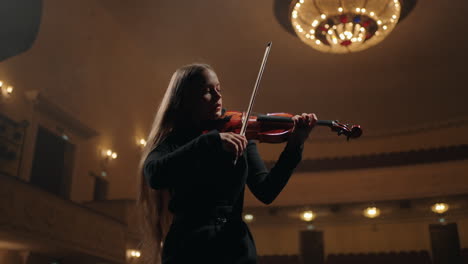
pixel 343 26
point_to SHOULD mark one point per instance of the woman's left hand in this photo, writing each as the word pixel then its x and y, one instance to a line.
pixel 303 125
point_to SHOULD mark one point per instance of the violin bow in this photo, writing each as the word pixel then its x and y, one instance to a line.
pixel 245 117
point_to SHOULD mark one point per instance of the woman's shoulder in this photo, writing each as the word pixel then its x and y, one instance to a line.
pixel 165 144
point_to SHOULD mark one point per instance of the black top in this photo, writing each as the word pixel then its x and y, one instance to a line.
pixel 201 176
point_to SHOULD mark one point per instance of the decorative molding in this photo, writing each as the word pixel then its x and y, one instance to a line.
pixel 53 111
pixel 406 158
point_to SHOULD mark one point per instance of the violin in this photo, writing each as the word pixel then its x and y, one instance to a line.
pixel 274 127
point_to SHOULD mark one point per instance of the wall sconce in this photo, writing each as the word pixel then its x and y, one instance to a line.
pixel 308 216
pixel 142 142
pixel 107 155
pixel 133 254
pixel 6 90
pixel 248 218
pixel 439 208
pixel 371 212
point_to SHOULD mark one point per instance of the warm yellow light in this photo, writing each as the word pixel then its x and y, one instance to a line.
pixel 134 253
pixel 248 218
pixel 109 153
pixel 1 83
pixel 9 89
pixel 114 155
pixel 440 208
pixel 308 216
pixel 384 27
pixel 371 212
pixel 142 142
pixel 317 17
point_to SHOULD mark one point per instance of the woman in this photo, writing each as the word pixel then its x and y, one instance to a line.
pixel 191 190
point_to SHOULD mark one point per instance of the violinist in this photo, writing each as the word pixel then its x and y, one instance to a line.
pixel 192 182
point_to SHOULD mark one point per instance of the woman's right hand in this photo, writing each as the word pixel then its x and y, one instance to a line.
pixel 233 143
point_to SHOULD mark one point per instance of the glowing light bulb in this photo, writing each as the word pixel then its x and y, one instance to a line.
pixel 371 212
pixel 248 217
pixel 440 208
pixel 307 216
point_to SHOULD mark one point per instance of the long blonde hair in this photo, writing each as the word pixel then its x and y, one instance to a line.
pixel 152 205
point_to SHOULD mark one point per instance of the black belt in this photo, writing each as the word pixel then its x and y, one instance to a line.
pixel 218 214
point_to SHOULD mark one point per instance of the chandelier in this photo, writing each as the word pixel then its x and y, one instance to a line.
pixel 343 26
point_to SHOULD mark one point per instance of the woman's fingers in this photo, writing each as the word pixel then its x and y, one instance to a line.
pixel 236 142
pixel 242 141
pixel 305 120
pixel 313 120
pixel 239 145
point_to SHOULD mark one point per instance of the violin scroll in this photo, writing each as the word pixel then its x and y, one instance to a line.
pixel 350 131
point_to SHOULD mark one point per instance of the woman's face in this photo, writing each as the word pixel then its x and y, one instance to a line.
pixel 210 101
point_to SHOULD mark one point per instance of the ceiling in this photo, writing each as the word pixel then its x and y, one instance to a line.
pixel 414 77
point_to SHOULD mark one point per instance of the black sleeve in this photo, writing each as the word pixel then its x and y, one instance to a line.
pixel 163 168
pixel 266 185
